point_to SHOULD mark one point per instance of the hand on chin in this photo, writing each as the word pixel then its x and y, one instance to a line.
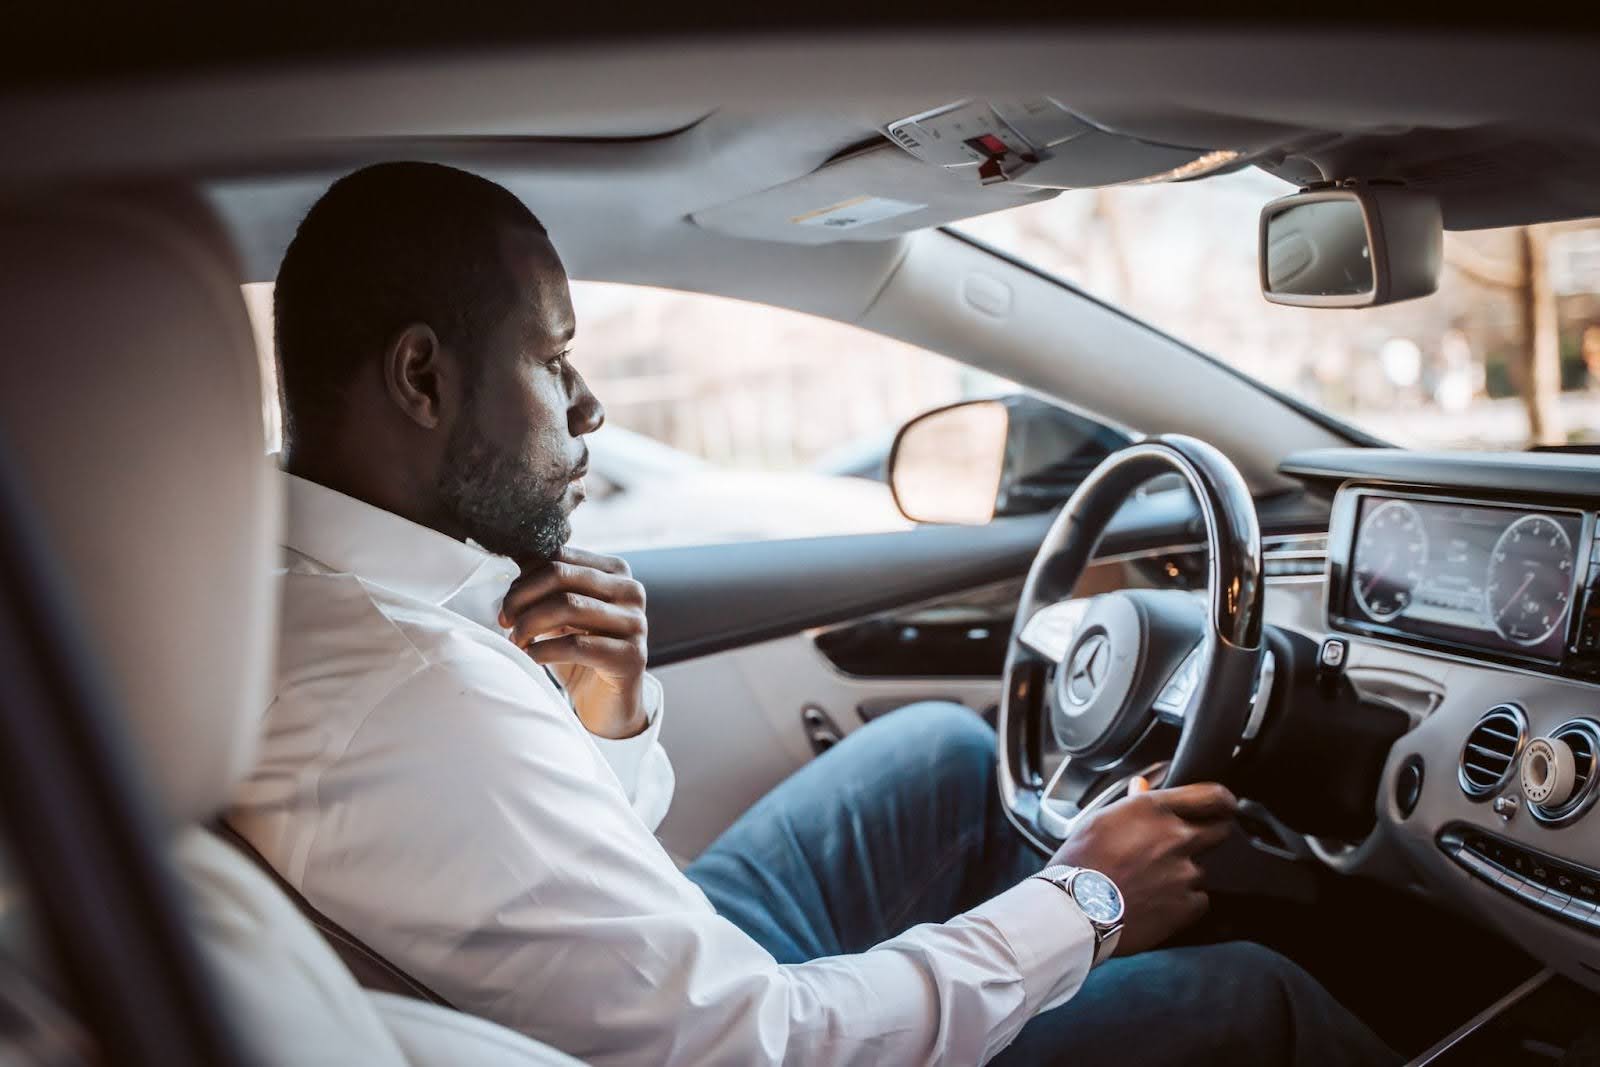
pixel 582 614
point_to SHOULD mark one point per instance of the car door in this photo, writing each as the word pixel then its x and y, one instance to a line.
pixel 788 604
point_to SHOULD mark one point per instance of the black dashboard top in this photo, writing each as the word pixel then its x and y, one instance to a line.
pixel 1575 477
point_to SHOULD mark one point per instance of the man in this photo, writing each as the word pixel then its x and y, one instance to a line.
pixel 461 765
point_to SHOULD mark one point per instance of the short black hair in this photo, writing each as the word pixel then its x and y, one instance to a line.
pixel 385 247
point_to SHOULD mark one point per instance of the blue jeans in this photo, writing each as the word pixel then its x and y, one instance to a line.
pixel 901 824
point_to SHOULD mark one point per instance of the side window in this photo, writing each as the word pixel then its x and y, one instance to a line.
pixel 735 421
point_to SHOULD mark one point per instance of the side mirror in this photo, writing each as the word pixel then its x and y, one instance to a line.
pixel 1351 247
pixel 1012 455
pixel 945 465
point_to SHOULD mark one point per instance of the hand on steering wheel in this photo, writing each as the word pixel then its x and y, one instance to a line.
pixel 1147 843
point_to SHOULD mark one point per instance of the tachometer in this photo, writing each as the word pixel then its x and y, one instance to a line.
pixel 1391 551
pixel 1529 584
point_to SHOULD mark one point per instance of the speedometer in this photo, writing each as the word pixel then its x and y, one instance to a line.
pixel 1529 585
pixel 1391 550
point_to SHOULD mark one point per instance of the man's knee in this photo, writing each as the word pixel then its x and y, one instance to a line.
pixel 1273 999
pixel 952 737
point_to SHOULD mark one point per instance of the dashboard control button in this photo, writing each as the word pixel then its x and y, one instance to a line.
pixel 1578 910
pixel 1477 865
pixel 1555 903
pixel 1547 884
pixel 1529 892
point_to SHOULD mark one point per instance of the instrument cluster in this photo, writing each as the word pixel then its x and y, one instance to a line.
pixel 1508 581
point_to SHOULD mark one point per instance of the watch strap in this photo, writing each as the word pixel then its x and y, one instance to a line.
pixel 1105 936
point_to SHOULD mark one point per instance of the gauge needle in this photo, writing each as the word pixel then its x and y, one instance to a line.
pixel 1525 583
pixel 1377 576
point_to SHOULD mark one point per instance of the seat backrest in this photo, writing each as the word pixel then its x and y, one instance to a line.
pixel 131 396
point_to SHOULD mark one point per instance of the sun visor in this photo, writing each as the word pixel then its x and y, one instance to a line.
pixel 872 195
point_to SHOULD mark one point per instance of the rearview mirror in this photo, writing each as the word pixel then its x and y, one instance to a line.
pixel 1351 247
pixel 1013 455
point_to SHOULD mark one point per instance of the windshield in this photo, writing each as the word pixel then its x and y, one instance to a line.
pixel 1502 356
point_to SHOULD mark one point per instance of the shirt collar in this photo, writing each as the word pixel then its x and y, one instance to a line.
pixel 381 548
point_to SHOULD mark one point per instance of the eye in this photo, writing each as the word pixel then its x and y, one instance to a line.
pixel 558 365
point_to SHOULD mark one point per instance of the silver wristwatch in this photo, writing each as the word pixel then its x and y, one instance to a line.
pixel 1097 897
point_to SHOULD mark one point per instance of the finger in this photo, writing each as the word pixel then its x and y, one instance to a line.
pixel 554 578
pixel 609 655
pixel 1195 904
pixel 584 558
pixel 574 611
pixel 1204 836
pixel 1202 800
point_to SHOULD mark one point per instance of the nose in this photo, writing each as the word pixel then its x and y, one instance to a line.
pixel 585 414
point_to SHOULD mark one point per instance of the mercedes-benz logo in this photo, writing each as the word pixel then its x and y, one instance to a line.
pixel 1088 669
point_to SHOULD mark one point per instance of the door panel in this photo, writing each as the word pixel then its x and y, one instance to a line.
pixel 734 728
pixel 705 599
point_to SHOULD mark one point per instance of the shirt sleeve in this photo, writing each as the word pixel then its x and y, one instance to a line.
pixel 476 836
pixel 640 763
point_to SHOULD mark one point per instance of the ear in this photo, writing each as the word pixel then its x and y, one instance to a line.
pixel 416 374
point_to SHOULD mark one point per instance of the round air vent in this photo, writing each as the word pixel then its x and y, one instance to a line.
pixel 1490 755
pixel 1582 738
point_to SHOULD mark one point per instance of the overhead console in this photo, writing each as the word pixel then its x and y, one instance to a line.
pixel 957 160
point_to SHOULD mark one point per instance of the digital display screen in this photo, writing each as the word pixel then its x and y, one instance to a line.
pixel 1496 578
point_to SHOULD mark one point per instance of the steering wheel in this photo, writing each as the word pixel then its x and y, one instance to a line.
pixel 1099 690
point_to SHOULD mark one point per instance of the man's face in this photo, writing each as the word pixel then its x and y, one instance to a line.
pixel 514 461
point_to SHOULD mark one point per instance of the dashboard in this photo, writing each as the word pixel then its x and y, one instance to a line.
pixel 1466 588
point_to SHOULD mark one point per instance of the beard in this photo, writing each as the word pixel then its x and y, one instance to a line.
pixel 494 498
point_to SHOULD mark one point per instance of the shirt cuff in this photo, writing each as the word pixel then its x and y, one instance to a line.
pixel 638 761
pixel 1051 939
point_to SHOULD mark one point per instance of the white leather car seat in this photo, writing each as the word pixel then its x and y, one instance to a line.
pixel 130 395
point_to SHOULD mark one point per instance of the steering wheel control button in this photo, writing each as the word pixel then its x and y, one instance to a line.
pixel 1408 786
pixel 1549 771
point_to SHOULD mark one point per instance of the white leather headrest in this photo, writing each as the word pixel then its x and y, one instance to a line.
pixel 130 398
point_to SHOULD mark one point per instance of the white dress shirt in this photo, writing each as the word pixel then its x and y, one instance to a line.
pixel 425 784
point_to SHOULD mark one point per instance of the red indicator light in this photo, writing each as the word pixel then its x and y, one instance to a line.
pixel 989 145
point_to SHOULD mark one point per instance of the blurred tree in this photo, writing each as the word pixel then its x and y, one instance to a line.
pixel 1536 368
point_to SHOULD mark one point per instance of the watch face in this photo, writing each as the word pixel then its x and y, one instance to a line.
pixel 1097 895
